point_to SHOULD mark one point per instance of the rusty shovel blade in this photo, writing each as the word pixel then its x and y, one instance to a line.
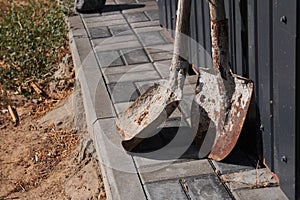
pixel 226 125
pixel 154 106
pixel 150 110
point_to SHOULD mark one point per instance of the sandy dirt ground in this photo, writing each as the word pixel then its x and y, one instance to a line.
pixel 48 154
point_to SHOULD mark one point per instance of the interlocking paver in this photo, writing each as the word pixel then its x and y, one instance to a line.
pixel 151 38
pixel 238 163
pixel 129 68
pixel 135 56
pixel 175 171
pixel 118 46
pixel 249 178
pixel 122 106
pixel 161 56
pixel 165 190
pixel 99 32
pixel 121 30
pixel 148 29
pixel 123 92
pixel 260 193
pixel 112 41
pixel 88 15
pixel 163 67
pixel 152 14
pixel 160 47
pixel 206 187
pixel 136 17
pixel 109 58
pixel 106 23
pixel 103 18
pixel 144 24
pixel 132 76
pixel 125 1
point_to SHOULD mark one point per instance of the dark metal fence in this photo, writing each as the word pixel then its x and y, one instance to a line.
pixel 264 46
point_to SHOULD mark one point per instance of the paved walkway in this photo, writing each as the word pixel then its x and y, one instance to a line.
pixel 118 53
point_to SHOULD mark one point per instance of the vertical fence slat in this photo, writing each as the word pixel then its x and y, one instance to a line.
pixel 284 80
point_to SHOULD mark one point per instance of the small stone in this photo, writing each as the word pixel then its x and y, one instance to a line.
pixel 4 111
pixel 59 123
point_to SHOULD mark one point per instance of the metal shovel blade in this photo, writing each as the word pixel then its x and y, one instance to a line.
pixel 158 102
pixel 226 125
pixel 149 111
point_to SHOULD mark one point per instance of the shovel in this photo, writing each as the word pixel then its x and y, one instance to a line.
pixel 223 98
pixel 158 102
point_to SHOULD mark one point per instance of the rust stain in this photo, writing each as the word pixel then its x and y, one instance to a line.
pixel 141 117
pixel 120 131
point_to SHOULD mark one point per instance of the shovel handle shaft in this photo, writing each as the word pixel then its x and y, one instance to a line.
pixel 219 37
pixel 179 62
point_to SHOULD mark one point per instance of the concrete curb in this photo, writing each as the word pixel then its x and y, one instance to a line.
pixel 87 102
pixel 99 110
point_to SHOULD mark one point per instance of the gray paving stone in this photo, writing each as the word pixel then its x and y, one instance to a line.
pixel 136 17
pixel 106 23
pixel 145 24
pixel 159 48
pixel 143 160
pixel 123 92
pixel 121 107
pixel 165 190
pixel 152 14
pixel 103 18
pixel 132 76
pixel 118 46
pixel 175 171
pixel 123 29
pixel 236 161
pixel 161 56
pixel 125 1
pixel 99 32
pixel 206 187
pixel 109 59
pixel 129 68
pixel 225 168
pixel 163 67
pixel 135 56
pixel 274 193
pixel 151 38
pixel 87 15
pixel 114 40
pixel 249 179
pixel 148 29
